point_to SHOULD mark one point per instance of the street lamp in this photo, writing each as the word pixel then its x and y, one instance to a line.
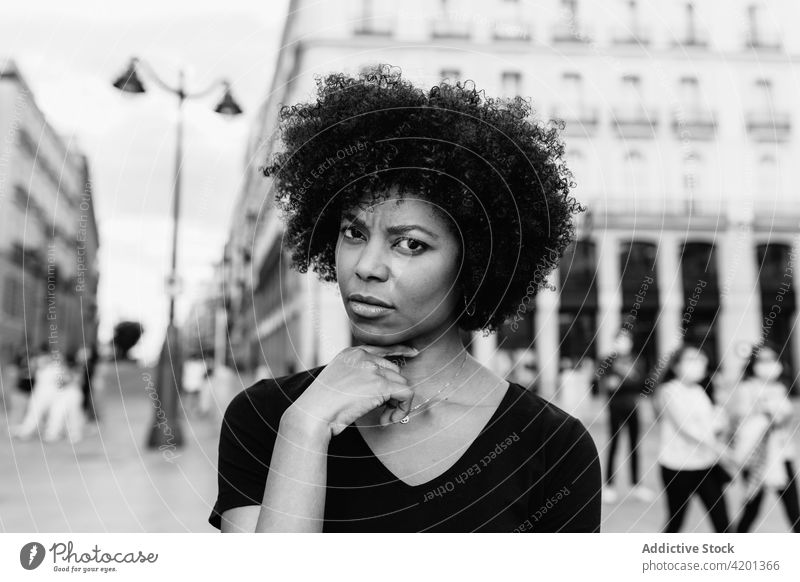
pixel 165 431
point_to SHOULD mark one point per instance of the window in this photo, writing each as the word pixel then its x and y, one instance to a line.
pixel 692 166
pixel 576 162
pixel 635 178
pixel 632 93
pixel 763 94
pixel 12 297
pixel 633 32
pixel 758 34
pixel 375 18
pixel 573 91
pixel 768 179
pixel 512 83
pixel 690 93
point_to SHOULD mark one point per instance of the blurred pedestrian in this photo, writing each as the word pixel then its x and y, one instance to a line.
pixel 763 418
pixel 87 362
pixel 692 451
pixel 66 416
pixel 49 376
pixel 621 377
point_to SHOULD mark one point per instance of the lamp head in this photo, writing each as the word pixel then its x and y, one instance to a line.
pixel 129 81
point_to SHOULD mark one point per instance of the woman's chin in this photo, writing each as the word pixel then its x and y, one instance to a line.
pixel 375 334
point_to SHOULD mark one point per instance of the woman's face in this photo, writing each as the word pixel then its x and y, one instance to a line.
pixel 400 252
pixel 767 365
pixel 692 366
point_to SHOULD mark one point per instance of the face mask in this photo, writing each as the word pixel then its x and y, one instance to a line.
pixel 623 344
pixel 768 370
pixel 693 371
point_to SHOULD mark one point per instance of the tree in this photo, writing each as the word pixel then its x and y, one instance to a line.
pixel 126 335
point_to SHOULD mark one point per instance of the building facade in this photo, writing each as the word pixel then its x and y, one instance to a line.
pixel 680 126
pixel 48 234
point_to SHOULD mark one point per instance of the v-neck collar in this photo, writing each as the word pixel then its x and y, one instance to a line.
pixel 501 407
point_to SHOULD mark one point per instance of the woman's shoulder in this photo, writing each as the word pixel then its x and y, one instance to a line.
pixel 270 397
pixel 541 417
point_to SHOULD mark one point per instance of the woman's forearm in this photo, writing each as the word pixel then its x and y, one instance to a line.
pixel 294 495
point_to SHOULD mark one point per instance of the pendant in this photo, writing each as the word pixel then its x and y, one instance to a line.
pixel 405 419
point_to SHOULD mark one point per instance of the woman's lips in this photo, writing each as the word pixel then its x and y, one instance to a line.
pixel 368 309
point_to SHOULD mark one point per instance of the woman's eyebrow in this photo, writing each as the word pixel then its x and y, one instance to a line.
pixel 396 229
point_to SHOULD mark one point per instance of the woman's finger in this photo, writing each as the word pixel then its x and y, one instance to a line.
pixel 398 406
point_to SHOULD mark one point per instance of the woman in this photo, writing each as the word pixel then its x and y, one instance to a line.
pixel 622 375
pixel 691 446
pixel 434 211
pixel 762 414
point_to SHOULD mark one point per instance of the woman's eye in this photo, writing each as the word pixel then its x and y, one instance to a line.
pixel 413 245
pixel 345 229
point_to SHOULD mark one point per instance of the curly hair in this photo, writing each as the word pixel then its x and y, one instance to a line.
pixel 496 174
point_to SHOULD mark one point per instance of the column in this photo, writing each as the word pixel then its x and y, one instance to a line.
pixel 609 290
pixel 670 292
pixel 332 323
pixel 484 348
pixel 546 336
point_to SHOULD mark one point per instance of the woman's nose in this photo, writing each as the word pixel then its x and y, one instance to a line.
pixel 372 262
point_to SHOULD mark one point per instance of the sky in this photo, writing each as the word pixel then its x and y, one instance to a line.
pixel 69 54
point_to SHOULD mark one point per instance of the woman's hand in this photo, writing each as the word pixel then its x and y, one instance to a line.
pixel 357 380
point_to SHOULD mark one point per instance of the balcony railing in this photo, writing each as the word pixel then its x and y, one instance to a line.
pixel 637 122
pixel 375 26
pixel 513 30
pixel 766 125
pixel 694 38
pixel 444 27
pixel 763 41
pixel 674 206
pixel 570 31
pixel 695 124
pixel 639 35
pixel 581 121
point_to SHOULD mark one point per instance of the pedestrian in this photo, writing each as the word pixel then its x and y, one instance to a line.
pixel 49 377
pixel 762 416
pixel 430 220
pixel 87 362
pixel 621 377
pixel 66 415
pixel 692 449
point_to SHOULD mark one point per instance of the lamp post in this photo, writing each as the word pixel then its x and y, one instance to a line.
pixel 165 431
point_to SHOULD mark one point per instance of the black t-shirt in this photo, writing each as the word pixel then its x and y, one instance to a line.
pixel 533 467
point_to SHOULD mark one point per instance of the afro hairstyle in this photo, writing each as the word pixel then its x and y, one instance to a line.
pixel 486 164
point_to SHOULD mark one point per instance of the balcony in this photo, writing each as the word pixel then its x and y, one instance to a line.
pixel 449 27
pixel 635 122
pixel 693 39
pixel 769 126
pixel 578 121
pixel 777 215
pixel 695 124
pixel 642 212
pixel 637 35
pixel 570 31
pixel 763 42
pixel 511 30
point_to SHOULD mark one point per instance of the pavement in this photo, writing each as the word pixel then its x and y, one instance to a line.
pixel 110 482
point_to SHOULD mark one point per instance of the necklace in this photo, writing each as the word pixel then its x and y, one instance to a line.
pixel 406 418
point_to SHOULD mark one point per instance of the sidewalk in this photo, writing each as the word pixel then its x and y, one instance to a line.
pixel 110 481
